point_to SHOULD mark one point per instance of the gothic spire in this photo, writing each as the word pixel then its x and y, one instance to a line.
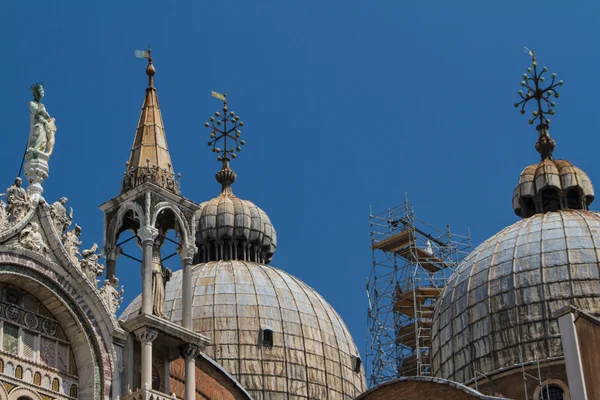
pixel 150 159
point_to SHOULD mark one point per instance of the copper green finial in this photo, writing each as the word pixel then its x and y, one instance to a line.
pixel 532 81
pixel 225 126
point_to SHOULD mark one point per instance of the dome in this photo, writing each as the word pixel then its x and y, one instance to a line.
pixel 229 228
pixel 552 185
pixel 311 354
pixel 498 304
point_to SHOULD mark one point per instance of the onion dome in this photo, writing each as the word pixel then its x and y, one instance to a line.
pixel 552 185
pixel 229 228
pixel 275 334
pixel 497 307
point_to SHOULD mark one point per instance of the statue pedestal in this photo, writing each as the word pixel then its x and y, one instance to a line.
pixel 36 170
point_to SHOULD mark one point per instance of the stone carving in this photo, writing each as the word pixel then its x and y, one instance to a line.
pixel 18 201
pixel 3 214
pixel 160 277
pixel 60 217
pixel 72 243
pixel 90 265
pixel 43 127
pixel 31 238
pixel 112 295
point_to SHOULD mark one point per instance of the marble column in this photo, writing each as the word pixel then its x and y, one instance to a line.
pixel 187 253
pixel 146 336
pixel 111 253
pixel 189 353
pixel 147 234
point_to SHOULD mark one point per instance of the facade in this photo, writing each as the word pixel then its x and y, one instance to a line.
pixel 225 326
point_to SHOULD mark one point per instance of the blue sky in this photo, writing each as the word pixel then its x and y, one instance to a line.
pixel 346 105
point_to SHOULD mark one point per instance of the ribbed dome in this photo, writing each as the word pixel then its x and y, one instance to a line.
pixel 500 300
pixel 229 228
pixel 552 185
pixel 312 355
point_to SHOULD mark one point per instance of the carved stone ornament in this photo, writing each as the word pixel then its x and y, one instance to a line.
pixel 146 335
pixel 89 264
pixel 187 253
pixel 18 202
pixel 189 350
pixel 112 295
pixel 71 242
pixel 60 217
pixel 31 239
pixel 147 233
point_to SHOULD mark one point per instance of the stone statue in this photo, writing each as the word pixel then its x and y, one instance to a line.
pixel 31 238
pixel 112 295
pixel 18 201
pixel 72 243
pixel 62 220
pixel 90 265
pixel 3 214
pixel 160 277
pixel 43 128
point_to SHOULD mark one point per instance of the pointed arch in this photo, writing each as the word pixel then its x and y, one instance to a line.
pixel 180 218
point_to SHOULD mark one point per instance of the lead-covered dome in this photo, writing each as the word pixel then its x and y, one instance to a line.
pixel 310 355
pixel 499 302
pixel 229 228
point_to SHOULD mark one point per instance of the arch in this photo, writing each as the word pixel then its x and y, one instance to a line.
pixel 162 206
pixel 86 338
pixel 549 383
pixel 3 392
pixel 55 385
pixel 113 231
pixel 73 391
pixel 20 392
pixel 19 372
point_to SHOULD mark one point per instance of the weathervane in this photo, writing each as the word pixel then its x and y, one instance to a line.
pixel 225 127
pixel 531 81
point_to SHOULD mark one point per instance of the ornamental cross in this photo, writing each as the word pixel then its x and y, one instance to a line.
pixel 225 127
pixel 531 81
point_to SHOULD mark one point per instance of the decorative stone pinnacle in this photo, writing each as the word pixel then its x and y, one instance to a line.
pixel 225 127
pixel 532 81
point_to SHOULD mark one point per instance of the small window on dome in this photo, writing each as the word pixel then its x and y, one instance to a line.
pixel 552 392
pixel 356 363
pixel 267 336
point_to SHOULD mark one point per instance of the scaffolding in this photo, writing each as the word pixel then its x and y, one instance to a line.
pixel 411 263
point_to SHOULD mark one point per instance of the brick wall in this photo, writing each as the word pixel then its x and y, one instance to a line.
pixel 211 382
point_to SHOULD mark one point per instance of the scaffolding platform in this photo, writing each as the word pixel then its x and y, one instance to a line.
pixel 411 263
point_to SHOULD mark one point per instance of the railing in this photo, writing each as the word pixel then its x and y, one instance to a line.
pixel 148 394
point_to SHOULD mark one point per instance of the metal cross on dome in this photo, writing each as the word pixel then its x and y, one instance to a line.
pixel 225 127
pixel 531 81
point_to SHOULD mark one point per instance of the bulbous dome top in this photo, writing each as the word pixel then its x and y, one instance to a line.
pixel 498 305
pixel 310 353
pixel 552 185
pixel 229 228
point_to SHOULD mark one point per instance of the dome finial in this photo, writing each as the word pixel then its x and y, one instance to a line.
pixel 226 127
pixel 531 81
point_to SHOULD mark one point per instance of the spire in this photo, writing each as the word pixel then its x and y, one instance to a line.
pixel 150 159
pixel 532 81
pixel 225 127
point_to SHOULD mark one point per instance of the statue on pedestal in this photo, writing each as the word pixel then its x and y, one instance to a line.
pixel 160 277
pixel 31 238
pixel 62 220
pixel 72 243
pixel 43 127
pixel 18 201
